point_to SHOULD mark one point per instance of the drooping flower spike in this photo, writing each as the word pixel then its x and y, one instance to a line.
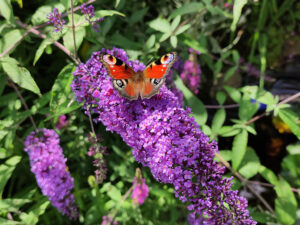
pixel 51 172
pixel 164 138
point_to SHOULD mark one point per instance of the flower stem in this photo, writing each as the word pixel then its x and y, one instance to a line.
pixel 73 29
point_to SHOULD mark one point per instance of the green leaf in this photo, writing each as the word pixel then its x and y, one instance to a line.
pixel 225 154
pixel 10 38
pixel 285 203
pixel 182 29
pixel 247 109
pixel 173 41
pixel 239 147
pixel 189 41
pixel 3 82
pixel 61 90
pixel 291 119
pixel 198 109
pixel 40 15
pixel 234 94
pixel 6 11
pixel 103 13
pixel 218 120
pixel 230 72
pixel 175 23
pixel 161 24
pixel 187 8
pixel 250 164
pixel 228 131
pixel 237 10
pixel 150 42
pixel 114 193
pixel 40 50
pixel 221 97
pixel 268 175
pixel 293 149
pixel 138 15
pixel 6 170
pixel 9 222
pixel 33 216
pixel 4 153
pixel 68 38
pixel 236 56
pixel 20 75
pixel 12 204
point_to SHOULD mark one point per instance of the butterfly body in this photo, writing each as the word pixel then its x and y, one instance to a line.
pixel 132 84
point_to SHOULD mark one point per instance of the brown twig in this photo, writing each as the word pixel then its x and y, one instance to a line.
pixel 245 181
pixel 270 185
pixel 73 29
pixel 289 99
pixel 221 106
pixel 56 43
pixel 12 84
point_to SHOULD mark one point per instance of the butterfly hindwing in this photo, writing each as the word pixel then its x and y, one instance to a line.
pixel 122 75
pixel 155 73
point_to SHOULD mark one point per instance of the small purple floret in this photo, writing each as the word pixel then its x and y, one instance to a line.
pixel 56 20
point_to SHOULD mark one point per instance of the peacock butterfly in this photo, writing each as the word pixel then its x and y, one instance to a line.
pixel 132 84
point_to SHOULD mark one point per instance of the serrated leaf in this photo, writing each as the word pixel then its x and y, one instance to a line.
pixel 187 8
pixel 234 94
pixel 250 164
pixel 285 203
pixel 198 109
pixel 218 120
pixel 239 147
pixel 291 119
pixel 6 170
pixel 20 75
pixel 173 41
pixel 6 11
pixel 161 24
pixel 268 175
pixel 237 10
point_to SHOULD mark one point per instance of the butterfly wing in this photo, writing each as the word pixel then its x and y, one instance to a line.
pixel 122 76
pixel 155 73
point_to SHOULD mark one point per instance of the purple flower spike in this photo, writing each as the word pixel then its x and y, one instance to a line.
pixel 140 191
pixel 56 20
pixel 164 138
pixel 191 74
pixel 49 166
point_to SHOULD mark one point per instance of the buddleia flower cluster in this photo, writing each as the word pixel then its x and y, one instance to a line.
pixel 56 19
pixel 191 74
pixel 164 138
pixel 51 172
pixel 89 13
